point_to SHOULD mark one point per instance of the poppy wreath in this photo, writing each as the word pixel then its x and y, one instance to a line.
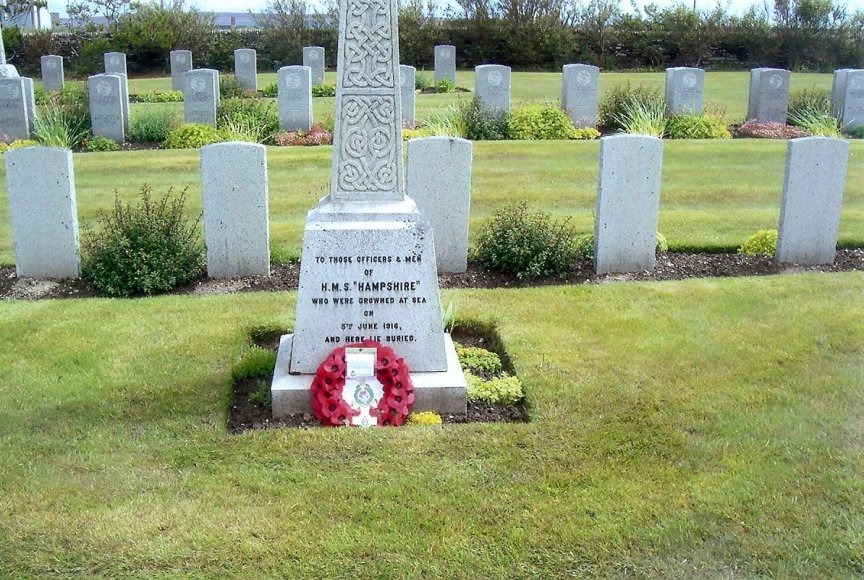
pixel 333 410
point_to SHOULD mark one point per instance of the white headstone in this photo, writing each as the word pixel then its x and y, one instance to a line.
pixel 812 193
pixel 52 72
pixel 769 95
pixel 14 115
pixel 106 106
pixel 30 103
pixel 181 63
pixel 41 186
pixel 234 199
pixel 246 68
pixel 368 261
pixel 628 199
pixel 579 89
pixel 853 101
pixel 439 181
pixel 445 63
pixel 838 91
pixel 313 57
pixel 200 96
pixel 492 84
pixel 407 76
pixel 684 87
pixel 115 63
pixel 295 98
pixel 7 71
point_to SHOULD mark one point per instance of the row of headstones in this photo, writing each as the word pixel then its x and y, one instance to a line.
pixel 235 204
pixel 628 201
pixel 42 207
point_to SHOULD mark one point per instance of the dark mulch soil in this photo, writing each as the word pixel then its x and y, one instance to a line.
pixel 670 266
pixel 243 414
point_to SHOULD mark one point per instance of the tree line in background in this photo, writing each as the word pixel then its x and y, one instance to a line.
pixel 817 35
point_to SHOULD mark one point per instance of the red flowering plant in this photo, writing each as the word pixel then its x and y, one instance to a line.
pixel 317 135
pixel 331 408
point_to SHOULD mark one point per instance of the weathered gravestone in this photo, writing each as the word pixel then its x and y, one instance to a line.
pixel 628 199
pixel 812 194
pixel 579 88
pixel 838 91
pixel 769 95
pixel 234 200
pixel 853 101
pixel 200 96
pixel 368 261
pixel 41 187
pixel 53 78
pixel 246 68
pixel 181 63
pixel 107 115
pixel 407 75
pixel 445 63
pixel 313 57
pixel 115 63
pixel 7 71
pixel 492 84
pixel 684 87
pixel 295 98
pixel 15 120
pixel 439 181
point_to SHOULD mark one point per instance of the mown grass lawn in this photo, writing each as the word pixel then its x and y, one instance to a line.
pixel 705 427
pixel 714 193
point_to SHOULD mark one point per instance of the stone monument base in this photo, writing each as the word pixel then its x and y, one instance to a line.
pixel 442 392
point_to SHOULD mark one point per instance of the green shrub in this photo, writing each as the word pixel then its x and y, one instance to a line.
pixel 99 143
pixel 143 249
pixel 193 136
pixel 255 362
pixel 153 125
pixel 64 118
pixel 266 332
pixel 662 243
pixel 529 245
pixel 253 120
pixel 424 418
pixel 270 91
pixel 422 81
pixel 617 102
pixel 506 389
pixel 483 124
pixel 445 86
pixel 17 144
pixel 808 101
pixel 323 90
pixel 478 359
pixel 161 97
pixel 539 122
pixel 857 132
pixel 762 243
pixel 696 127
pixel 261 395
pixel 585 133
pixel 229 87
pixel 644 116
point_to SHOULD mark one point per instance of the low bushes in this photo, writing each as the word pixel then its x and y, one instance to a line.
pixel 696 127
pixel 528 245
pixel 143 249
pixel 194 136
pixel 762 243
pixel 153 126
pixel 539 122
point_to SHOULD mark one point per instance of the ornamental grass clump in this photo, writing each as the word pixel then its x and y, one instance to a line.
pixel 817 123
pixel 643 116
pixel 621 99
pixel 526 244
pixel 704 126
pixel 153 125
pixel 810 100
pixel 762 243
pixel 253 120
pixel 143 249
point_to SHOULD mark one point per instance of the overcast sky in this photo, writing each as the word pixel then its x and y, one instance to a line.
pixel 735 6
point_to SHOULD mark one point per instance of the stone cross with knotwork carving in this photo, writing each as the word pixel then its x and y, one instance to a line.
pixel 367 140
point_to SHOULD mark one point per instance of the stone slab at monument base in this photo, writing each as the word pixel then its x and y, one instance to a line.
pixel 442 392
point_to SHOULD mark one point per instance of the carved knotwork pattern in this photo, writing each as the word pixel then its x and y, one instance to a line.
pixel 368 45
pixel 367 149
